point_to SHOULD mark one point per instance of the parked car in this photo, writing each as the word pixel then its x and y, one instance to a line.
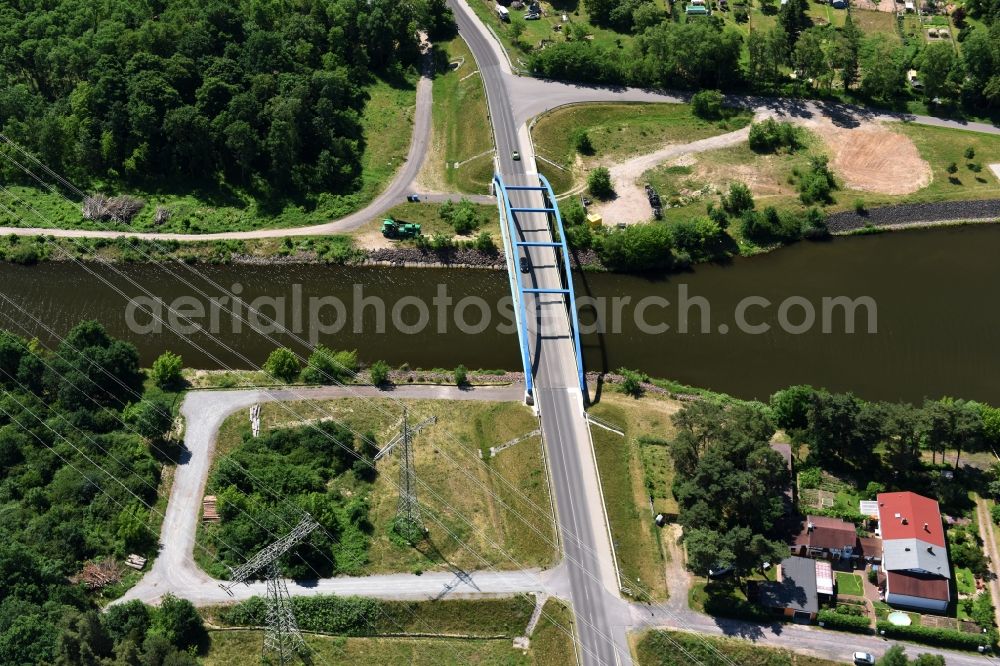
pixel 720 571
pixel 531 16
pixel 864 658
pixel 414 198
pixel 524 264
pixel 516 156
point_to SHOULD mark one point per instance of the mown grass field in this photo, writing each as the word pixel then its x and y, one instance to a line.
pixel 678 648
pixel 617 132
pixel 479 513
pixel 551 643
pixel 388 127
pixel 461 126
pixel 631 472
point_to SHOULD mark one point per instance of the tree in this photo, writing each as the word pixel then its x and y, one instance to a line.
pixel 954 423
pixel 936 66
pixel 739 200
pixel 599 183
pixel 843 428
pixel 517 27
pixel 461 376
pixel 848 54
pixel 379 373
pixel 894 656
pixel 166 371
pixel 729 485
pixel 152 418
pixel 178 621
pixel 283 364
pixel 882 67
pixel 90 367
pixel 707 104
pixel 791 407
pixel 793 18
pixel 809 57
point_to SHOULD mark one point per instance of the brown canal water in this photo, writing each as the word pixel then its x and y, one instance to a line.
pixel 931 296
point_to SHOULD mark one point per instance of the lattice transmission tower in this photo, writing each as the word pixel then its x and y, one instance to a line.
pixel 282 637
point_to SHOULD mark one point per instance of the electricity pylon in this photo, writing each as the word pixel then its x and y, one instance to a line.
pixel 281 636
pixel 408 510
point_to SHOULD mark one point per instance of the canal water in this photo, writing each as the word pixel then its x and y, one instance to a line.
pixel 924 306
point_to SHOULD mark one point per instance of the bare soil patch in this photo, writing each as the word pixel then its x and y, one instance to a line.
pixel 873 158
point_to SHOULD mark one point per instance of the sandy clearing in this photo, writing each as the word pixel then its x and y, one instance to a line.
pixel 873 158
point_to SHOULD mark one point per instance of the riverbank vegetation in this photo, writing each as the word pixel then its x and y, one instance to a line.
pixel 84 446
pixel 217 116
pixel 328 471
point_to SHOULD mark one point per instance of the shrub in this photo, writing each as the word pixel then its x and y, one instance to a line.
pixel 582 142
pixel 810 477
pixel 834 619
pixel 859 207
pixel 767 226
pixel 464 217
pixel 632 382
pixel 485 243
pixel 817 183
pixel 952 168
pixel 166 371
pixel 599 183
pixel 638 248
pixel 283 364
pixel 739 200
pixel 701 238
pixel 948 638
pixel 328 367
pixel 995 513
pixel 461 376
pixel 707 104
pixel 770 135
pixel 969 153
pixel 379 373
pixel 873 576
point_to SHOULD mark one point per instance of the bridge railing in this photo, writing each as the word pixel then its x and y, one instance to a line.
pixel 518 290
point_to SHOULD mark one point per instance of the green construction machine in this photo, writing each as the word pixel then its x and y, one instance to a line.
pixel 394 229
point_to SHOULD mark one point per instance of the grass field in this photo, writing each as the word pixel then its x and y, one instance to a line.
pixel 479 514
pixel 461 129
pixel 676 648
pixel 428 216
pixel 617 131
pixel 848 583
pixel 388 126
pixel 630 473
pixel 551 642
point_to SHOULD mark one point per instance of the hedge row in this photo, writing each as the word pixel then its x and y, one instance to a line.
pixel 950 638
pixel 725 606
pixel 833 620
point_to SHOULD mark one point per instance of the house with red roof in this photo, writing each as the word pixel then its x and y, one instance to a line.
pixel 914 552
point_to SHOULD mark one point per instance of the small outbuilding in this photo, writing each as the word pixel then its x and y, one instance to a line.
pixel 794 593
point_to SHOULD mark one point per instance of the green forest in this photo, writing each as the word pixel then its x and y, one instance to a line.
pixel 83 444
pixel 202 95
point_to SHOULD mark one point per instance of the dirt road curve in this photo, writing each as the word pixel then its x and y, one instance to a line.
pixel 175 571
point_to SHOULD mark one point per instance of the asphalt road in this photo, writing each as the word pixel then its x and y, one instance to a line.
pixel 583 532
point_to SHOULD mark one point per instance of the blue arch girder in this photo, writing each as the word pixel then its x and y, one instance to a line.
pixel 551 210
